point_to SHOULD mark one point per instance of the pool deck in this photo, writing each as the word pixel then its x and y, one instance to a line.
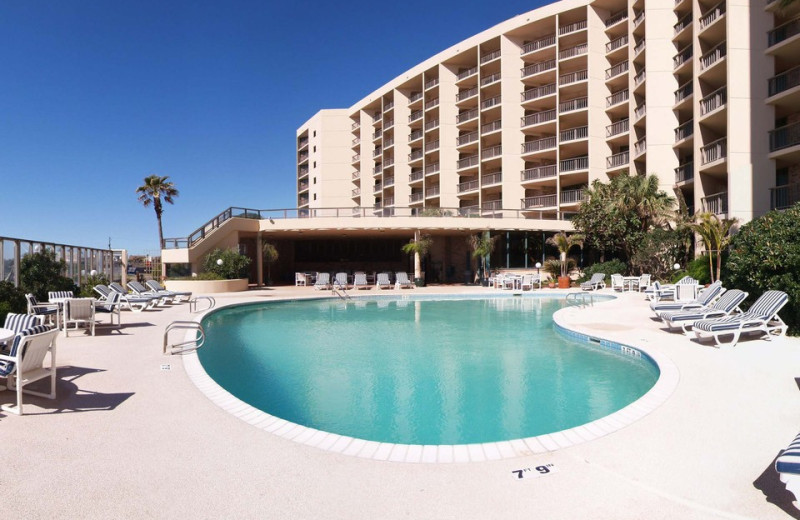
pixel 126 439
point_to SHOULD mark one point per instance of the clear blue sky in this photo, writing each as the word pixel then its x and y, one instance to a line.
pixel 96 95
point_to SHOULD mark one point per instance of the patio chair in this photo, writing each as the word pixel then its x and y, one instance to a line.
pixel 644 282
pixel 704 299
pixel 617 282
pixel 401 281
pixel 79 311
pixel 360 281
pixel 49 311
pixel 128 301
pixel 24 363
pixel 340 281
pixel 726 305
pixel 761 316
pixel 323 281
pixel 666 291
pixel 17 323
pixel 112 306
pixel 383 281
pixel 300 279
pixel 529 280
pixel 597 281
pixel 141 291
pixel 177 296
pixel 788 467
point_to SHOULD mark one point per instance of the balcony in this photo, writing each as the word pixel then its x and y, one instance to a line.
pixel 684 56
pixel 574 134
pixel 416 176
pixel 388 106
pixel 486 58
pixel 573 104
pixel 432 103
pixel 714 151
pixel 539 92
pixel 415 115
pixel 620 127
pixel 388 182
pixel 716 204
pixel 547 143
pixel 713 15
pixel 464 74
pixel 356 175
pixel 356 192
pixel 639 78
pixel 617 160
pixel 376 118
pixel 640 147
pixel 713 101
pixel 356 158
pixel 713 56
pixel 491 102
pixel 539 172
pixel 466 93
pixel 416 134
pixel 415 155
pixel 684 91
pixel 539 118
pixel 377 169
pixel 492 78
pixel 639 112
pixel 388 123
pixel 547 41
pixel 783 197
pixel 355 126
pixel 431 146
pixel 492 179
pixel 302 142
pixel 469 115
pixel 684 131
pixel 377 187
pixel 685 22
pixel 616 18
pixel 302 201
pixel 783 32
pixel 494 126
pixel 578 50
pixel 468 186
pixel 491 152
pixel 574 164
pixel 431 83
pixel 616 70
pixel 639 47
pixel 432 168
pixel 416 197
pixel 492 205
pixel 388 142
pixel 537 68
pixel 302 171
pixel 684 172
pixel 377 134
pixel 413 98
pixel 467 162
pixel 617 44
pixel 784 137
pixel 467 138
pixel 571 28
pixel 302 186
pixel 618 97
pixel 784 81
pixel 388 162
pixel 388 202
pixel 302 157
pixel 638 19
pixel 377 152
pixel 572 196
pixel 356 141
pixel 430 125
pixel 433 191
pixel 573 77
pixel 540 201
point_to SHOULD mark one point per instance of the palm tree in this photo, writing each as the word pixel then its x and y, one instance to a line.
pixel 419 245
pixel 564 243
pixel 716 235
pixel 641 195
pixel 269 256
pixel 153 191
pixel 482 246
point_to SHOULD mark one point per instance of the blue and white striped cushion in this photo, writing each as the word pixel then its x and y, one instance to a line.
pixel 768 304
pixel 7 367
pixel 690 315
pixel 763 309
pixel 59 294
pixel 789 460
pixel 109 304
pixel 20 322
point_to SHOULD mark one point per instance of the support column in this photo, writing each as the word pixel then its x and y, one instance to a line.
pixel 259 261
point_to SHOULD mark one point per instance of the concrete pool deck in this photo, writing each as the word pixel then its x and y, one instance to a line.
pixel 126 439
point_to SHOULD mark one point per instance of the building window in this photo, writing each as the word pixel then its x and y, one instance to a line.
pixel 315 196
pixel 315 164
pixel 315 133
pixel 315 148
pixel 315 180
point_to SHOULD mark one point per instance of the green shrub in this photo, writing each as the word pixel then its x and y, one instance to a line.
pixel 764 255
pixel 608 268
pixel 87 287
pixel 12 299
pixel 41 272
pixel 200 276
pixel 234 265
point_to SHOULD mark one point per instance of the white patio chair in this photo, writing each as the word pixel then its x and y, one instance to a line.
pixel 617 282
pixel 360 280
pixel 402 281
pixel 177 296
pixel 597 281
pixel 323 281
pixel 727 305
pixel 383 281
pixel 644 282
pixel 300 279
pixel 340 281
pixel 78 312
pixel 24 364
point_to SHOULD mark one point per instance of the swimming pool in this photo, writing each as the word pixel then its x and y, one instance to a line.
pixel 419 371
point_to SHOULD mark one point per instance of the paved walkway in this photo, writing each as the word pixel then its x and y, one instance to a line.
pixel 126 439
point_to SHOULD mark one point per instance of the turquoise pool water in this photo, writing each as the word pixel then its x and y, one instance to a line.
pixel 418 372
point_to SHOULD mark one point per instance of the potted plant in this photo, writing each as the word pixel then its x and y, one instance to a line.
pixel 419 246
pixel 482 246
pixel 269 256
pixel 553 268
pixel 564 243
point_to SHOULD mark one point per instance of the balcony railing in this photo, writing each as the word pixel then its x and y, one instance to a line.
pixel 356 175
pixel 355 158
pixel 491 102
pixel 416 96
pixel 574 164
pixel 539 172
pixel 488 80
pixel 617 128
pixel 376 117
pixel 466 93
pixel 388 123
pixel 639 78
pixel 302 142
pixel 417 114
pixel 782 197
pixel 302 201
pixel 571 28
pixel 537 92
pixel 639 47
pixel 573 104
pixel 490 56
pixel 685 22
pixel 572 196
pixel 468 162
pixel 355 126
pixel 377 187
pixel 467 138
pixel 547 41
pixel 388 201
pixel 784 81
pixel 416 176
pixel 536 68
pixel 467 116
pixel 617 97
pixel 389 161
pixel 684 172
pixel 539 145
pixel 640 147
pixel 388 106
pixel 618 159
pixel 573 77
pixel 712 16
pixel 573 134
pixel 539 117
pixel 493 151
pixel 492 178
pixel 616 18
pixel 416 134
pixel 303 170
pixel 431 168
pixel 387 142
pixel 540 201
pixel 571 52
pixel 616 70
pixel 684 91
pixel 683 56
pixel 355 192
pixel 433 191
pixel 684 130
pixel 302 156
pixel 430 125
pixel 492 127
pixel 377 134
pixel 713 56
pixel 431 83
pixel 432 145
pixel 491 205
pixel 414 155
pixel 638 19
pixel 377 169
pixel 376 152
pixel 714 101
pixel 714 151
pixel 783 32
pixel 716 204
pixel 784 137
pixel 302 186
pixel 432 103
pixel 416 197
pixel 464 74
pixel 356 141
pixel 640 111
pixel 464 187
pixel 616 44
pixel 388 181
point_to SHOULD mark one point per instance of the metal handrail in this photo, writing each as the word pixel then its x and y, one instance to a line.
pixel 193 303
pixel 184 346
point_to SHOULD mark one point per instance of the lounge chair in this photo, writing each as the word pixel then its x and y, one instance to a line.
pixel 59 295
pixel 323 281
pixel 667 291
pixel 129 301
pixel 529 280
pixel 401 281
pixel 111 305
pixel 140 290
pixel 360 281
pixel 761 316
pixel 617 282
pixel 788 467
pixel 340 281
pixel 383 281
pixel 725 306
pixel 177 296
pixel 709 294
pixel 24 363
pixel 597 281
pixel 49 311
pixel 79 311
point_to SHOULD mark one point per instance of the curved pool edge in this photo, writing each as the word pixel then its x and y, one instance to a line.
pixel 458 453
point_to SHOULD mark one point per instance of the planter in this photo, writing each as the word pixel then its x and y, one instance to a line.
pixel 419 282
pixel 563 282
pixel 551 285
pixel 207 286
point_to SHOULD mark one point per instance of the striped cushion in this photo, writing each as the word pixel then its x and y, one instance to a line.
pixel 726 304
pixel 768 304
pixel 59 294
pixel 7 367
pixel 20 322
pixel 690 315
pixel 789 461
pixel 762 310
pixel 109 304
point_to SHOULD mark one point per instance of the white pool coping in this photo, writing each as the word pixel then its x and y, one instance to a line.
pixel 456 453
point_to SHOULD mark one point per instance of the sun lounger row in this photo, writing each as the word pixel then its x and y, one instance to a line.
pixel 383 281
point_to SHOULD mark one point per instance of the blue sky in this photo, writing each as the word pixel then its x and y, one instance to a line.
pixel 96 95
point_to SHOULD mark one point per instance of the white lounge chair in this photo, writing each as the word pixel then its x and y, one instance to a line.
pixel 788 467
pixel 111 306
pixel 666 291
pixel 360 281
pixel 128 301
pixel 529 280
pixel 401 281
pixel 704 299
pixel 383 282
pixel 140 290
pixel 761 316
pixel 77 312
pixel 177 296
pixel 340 281
pixel 597 281
pixel 323 281
pixel 725 306
pixel 24 364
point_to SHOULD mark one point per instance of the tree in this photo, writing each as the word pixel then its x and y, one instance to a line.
pixel 41 272
pixel 157 190
pixel 419 246
pixel 482 246
pixel 228 264
pixel 716 235
pixel 564 243
pixel 270 256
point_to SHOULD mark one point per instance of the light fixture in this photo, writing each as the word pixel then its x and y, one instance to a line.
pixel 676 266
pixel 219 261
